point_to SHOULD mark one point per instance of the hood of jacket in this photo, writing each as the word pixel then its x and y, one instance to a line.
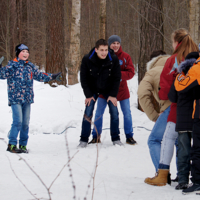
pixel 186 65
pixel 154 62
pixel 94 58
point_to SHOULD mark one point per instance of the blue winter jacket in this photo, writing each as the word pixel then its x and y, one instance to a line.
pixel 20 75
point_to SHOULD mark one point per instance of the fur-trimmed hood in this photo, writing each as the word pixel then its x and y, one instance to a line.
pixel 186 65
pixel 152 62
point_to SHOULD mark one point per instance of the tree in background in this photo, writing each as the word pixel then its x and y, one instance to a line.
pixel 55 55
pixel 74 51
pixel 102 23
pixel 194 20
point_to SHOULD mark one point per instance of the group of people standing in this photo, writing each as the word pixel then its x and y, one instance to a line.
pixel 173 81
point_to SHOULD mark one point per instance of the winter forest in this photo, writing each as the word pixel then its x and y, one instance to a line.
pixel 59 33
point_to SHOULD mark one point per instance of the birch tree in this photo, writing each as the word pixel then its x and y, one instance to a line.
pixel 102 23
pixel 74 51
pixel 194 20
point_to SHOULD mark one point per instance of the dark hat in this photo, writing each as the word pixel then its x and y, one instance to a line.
pixel 113 38
pixel 192 55
pixel 19 48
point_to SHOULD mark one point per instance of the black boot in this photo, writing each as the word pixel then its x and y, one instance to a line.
pixel 13 149
pixel 131 141
pixel 169 179
pixel 192 188
pixel 23 149
pixel 181 186
pixel 95 140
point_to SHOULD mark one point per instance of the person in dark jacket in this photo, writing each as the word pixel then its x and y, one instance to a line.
pixel 127 73
pixel 100 74
pixel 20 74
pixel 187 83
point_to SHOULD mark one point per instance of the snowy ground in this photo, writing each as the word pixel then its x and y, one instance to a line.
pixel 120 172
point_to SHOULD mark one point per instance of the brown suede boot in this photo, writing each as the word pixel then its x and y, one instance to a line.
pixel 160 179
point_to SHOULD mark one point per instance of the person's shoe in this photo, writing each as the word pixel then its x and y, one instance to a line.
pixel 82 144
pixel 117 142
pixel 175 180
pixel 169 179
pixel 23 149
pixel 192 188
pixel 95 140
pixel 131 141
pixel 160 179
pixel 181 186
pixel 13 149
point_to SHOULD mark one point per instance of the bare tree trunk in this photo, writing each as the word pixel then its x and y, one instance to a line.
pixel 102 23
pixel 194 20
pixel 74 51
pixel 55 55
pixel 151 35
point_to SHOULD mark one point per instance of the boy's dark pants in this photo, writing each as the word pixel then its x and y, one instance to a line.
pixel 184 147
pixel 114 121
pixel 195 152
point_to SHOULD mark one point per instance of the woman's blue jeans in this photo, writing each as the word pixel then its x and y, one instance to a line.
pixel 114 121
pixel 156 136
pixel 21 118
pixel 125 107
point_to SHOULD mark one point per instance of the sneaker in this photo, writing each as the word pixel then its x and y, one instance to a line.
pixel 95 140
pixel 175 180
pixel 118 142
pixel 13 149
pixel 23 149
pixel 181 186
pixel 192 188
pixel 131 141
pixel 82 144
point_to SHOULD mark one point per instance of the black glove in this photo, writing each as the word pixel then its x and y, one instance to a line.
pixel 57 77
pixel 1 60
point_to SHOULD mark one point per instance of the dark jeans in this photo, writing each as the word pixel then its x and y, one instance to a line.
pixel 184 146
pixel 195 152
pixel 114 121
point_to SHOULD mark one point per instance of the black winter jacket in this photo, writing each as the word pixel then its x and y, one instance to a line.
pixel 184 101
pixel 100 76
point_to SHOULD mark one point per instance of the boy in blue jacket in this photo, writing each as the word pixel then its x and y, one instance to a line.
pixel 20 74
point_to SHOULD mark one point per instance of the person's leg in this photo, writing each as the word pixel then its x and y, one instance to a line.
pixel 155 138
pixel 195 153
pixel 17 123
pixel 128 127
pixel 167 146
pixel 114 122
pixel 98 121
pixel 86 123
pixel 184 146
pixel 26 109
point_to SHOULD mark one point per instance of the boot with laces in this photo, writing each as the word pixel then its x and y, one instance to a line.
pixel 23 149
pixel 160 179
pixel 131 141
pixel 95 140
pixel 13 149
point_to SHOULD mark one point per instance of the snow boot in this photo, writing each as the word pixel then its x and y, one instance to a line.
pixel 160 179
pixel 117 142
pixel 23 149
pixel 192 188
pixel 131 141
pixel 181 186
pixel 95 140
pixel 13 149
pixel 82 144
